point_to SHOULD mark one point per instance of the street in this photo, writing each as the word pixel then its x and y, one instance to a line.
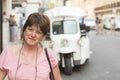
pixel 104 63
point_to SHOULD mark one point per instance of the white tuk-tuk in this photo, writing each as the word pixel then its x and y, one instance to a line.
pixel 69 43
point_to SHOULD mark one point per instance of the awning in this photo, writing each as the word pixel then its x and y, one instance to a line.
pixel 66 11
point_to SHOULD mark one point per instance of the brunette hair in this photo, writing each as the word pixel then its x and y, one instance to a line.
pixel 39 20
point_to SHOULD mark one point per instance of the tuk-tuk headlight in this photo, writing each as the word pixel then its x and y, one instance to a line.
pixel 79 42
pixel 51 43
pixel 64 42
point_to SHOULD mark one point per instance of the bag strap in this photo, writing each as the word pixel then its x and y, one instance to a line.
pixel 46 52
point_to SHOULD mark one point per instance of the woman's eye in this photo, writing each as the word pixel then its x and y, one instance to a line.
pixel 30 29
pixel 39 32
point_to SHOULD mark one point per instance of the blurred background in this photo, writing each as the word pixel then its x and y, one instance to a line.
pixel 104 64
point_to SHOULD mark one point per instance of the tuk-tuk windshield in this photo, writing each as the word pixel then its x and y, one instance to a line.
pixel 64 27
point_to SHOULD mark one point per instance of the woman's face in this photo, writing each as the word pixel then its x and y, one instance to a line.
pixel 33 35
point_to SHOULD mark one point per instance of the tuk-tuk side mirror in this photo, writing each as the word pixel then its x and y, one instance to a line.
pixel 87 28
pixel 84 27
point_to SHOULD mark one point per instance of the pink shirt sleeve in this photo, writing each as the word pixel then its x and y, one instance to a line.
pixel 52 57
pixel 3 58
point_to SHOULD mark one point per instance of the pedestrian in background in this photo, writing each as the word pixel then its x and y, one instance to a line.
pixel 22 20
pixel 98 21
pixel 21 23
pixel 4 16
pixel 5 29
pixel 112 24
pixel 102 27
pixel 12 28
pixel 27 60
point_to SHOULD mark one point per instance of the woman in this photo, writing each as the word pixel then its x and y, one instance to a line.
pixel 27 61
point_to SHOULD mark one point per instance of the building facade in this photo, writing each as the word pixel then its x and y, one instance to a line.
pixel 107 7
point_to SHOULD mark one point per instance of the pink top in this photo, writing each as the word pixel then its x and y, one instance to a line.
pixel 8 62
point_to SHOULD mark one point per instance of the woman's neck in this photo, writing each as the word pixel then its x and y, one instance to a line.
pixel 30 49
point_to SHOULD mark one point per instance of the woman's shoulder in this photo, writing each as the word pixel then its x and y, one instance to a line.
pixel 12 45
pixel 52 57
pixel 6 51
pixel 7 47
pixel 10 48
pixel 50 51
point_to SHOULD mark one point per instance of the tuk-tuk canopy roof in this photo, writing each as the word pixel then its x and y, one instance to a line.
pixel 65 11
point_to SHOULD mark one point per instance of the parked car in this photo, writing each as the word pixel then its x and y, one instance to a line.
pixel 91 22
pixel 106 20
pixel 117 19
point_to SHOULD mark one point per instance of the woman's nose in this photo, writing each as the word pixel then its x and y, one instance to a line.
pixel 33 34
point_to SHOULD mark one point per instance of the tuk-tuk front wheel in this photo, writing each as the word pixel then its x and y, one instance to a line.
pixel 68 65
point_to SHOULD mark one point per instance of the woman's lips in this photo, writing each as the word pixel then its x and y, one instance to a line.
pixel 33 39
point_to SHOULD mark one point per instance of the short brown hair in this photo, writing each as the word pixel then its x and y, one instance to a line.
pixel 38 19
